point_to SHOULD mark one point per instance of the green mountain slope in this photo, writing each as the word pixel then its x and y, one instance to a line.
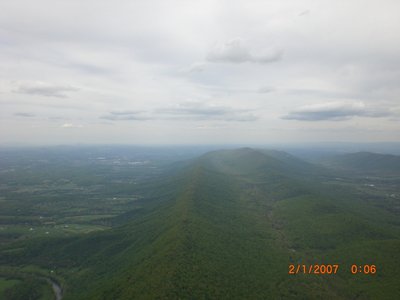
pixel 208 243
pixel 227 226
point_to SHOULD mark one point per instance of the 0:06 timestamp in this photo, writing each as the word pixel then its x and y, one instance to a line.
pixel 363 269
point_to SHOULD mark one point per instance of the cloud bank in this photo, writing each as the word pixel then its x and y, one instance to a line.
pixel 336 111
pixel 234 51
pixel 185 111
pixel 45 89
pixel 23 114
pixel 126 116
pixel 202 111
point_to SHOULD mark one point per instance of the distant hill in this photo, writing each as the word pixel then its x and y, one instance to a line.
pixel 226 226
pixel 365 162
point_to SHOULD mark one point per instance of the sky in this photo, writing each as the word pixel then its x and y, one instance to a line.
pixel 199 72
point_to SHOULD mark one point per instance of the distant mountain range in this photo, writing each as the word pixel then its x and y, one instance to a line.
pixel 365 162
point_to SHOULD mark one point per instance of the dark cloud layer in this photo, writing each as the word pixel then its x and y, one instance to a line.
pixel 45 89
pixel 23 114
pixel 334 111
pixel 185 111
pixel 201 111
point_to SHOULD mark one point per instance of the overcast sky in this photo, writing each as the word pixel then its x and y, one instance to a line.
pixel 83 71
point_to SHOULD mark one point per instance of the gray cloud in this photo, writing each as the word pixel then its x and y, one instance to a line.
pixel 335 111
pixel 304 13
pixel 201 111
pixel 195 111
pixel 22 114
pixel 266 89
pixel 125 116
pixel 45 89
pixel 234 51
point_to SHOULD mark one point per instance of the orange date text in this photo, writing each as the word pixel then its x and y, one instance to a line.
pixel 318 269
